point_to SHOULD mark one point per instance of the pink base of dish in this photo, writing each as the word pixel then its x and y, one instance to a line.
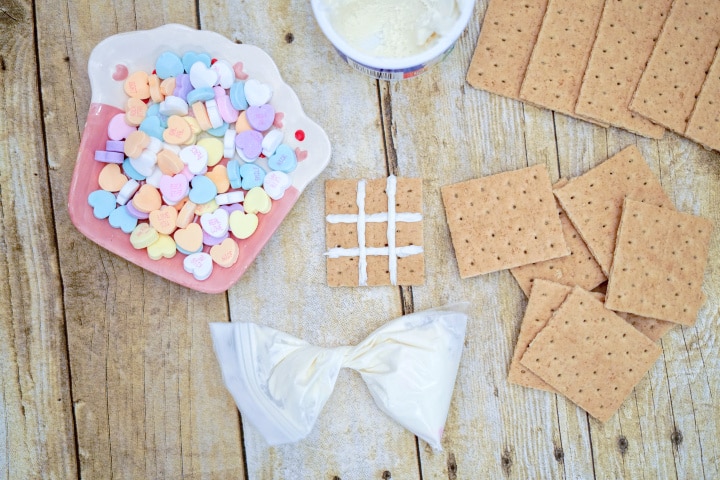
pixel 84 182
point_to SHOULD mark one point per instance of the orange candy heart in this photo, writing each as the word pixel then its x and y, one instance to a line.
pixel 167 86
pixel 155 94
pixel 189 239
pixel 163 220
pixel 135 111
pixel 147 199
pixel 226 253
pixel 178 131
pixel 136 85
pixel 135 143
pixel 169 162
pixel 111 178
pixel 219 177
pixel 241 124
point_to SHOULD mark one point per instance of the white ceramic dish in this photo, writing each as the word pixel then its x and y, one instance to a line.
pixel 108 65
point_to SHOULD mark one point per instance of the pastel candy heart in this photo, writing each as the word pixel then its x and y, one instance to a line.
pixel 214 149
pixel 233 172
pixel 237 96
pixel 168 65
pixel 135 143
pixel 145 163
pixel 143 235
pixel 200 95
pixel 278 122
pixel 167 86
pixel 191 58
pixel 103 203
pixel 163 220
pixel 135 212
pixel 275 184
pixel 241 124
pixel 120 218
pixel 178 131
pixel 186 214
pixel 249 144
pixel 135 111
pixel 147 199
pixel 213 113
pixel 118 128
pixel 209 240
pixel 219 131
pixel 225 107
pixel 229 143
pixel 283 159
pixel 118 157
pixel 271 141
pixel 203 190
pixel 111 178
pixel 153 126
pixel 173 105
pixel 164 247
pixel 169 162
pixel 225 73
pixel 257 201
pixel 200 265
pixel 257 93
pixel 174 188
pixel 226 253
pixel 215 224
pixel 182 86
pixel 154 178
pixel 243 224
pixel 189 239
pixel 195 157
pixel 232 208
pixel 238 69
pixel 127 191
pixel 201 76
pixel 261 117
pixel 130 171
pixel 155 94
pixel 252 175
pixel 136 85
pixel 219 177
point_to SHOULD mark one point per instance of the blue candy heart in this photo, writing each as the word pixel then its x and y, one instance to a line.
pixel 130 171
pixel 252 176
pixel 121 218
pixel 168 65
pixel 191 57
pixel 103 203
pixel 237 96
pixel 218 131
pixel 203 190
pixel 233 172
pixel 200 95
pixel 284 159
pixel 153 127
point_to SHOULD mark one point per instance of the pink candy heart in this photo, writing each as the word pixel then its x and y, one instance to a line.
pixel 118 129
pixel 175 188
pixel 261 117
pixel 249 144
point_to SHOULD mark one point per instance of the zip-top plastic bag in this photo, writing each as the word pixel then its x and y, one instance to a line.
pixel 281 383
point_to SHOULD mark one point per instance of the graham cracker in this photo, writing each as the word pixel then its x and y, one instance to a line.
pixel 625 39
pixel 659 264
pixel 593 201
pixel 704 124
pixel 344 258
pixel 679 64
pixel 507 36
pixel 652 328
pixel 578 268
pixel 503 221
pixel 590 355
pixel 557 64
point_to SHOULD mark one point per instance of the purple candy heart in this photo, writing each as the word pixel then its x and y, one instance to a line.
pixel 249 144
pixel 261 117
pixel 109 157
pixel 134 212
pixel 209 240
pixel 232 207
pixel 182 86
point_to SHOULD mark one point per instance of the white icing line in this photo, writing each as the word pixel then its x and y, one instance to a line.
pixel 400 252
pixel 390 189
pixel 405 217
pixel 362 249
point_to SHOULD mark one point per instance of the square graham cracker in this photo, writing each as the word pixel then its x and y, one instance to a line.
pixel 704 124
pixel 679 63
pixel 503 221
pixel 590 355
pixel 578 268
pixel 593 201
pixel 507 36
pixel 344 263
pixel 554 74
pixel 660 261
pixel 625 39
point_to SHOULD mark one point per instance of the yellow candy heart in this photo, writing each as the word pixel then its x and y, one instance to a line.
pixel 189 239
pixel 163 247
pixel 163 220
pixel 242 225
pixel 143 236
pixel 257 200
pixel 208 207
pixel 214 148
pixel 226 253
pixel 111 178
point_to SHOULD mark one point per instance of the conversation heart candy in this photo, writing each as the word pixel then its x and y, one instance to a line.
pixel 209 240
pixel 225 74
pixel 189 239
pixel 145 163
pixel 215 223
pixel 257 201
pixel 191 58
pixel 135 111
pixel 155 94
pixel 248 145
pixel 226 253
pixel 229 143
pixel 182 86
pixel 200 114
pixel 200 95
pixel 233 171
pixel 111 178
pixel 200 265
pixel 163 219
pixel 242 224
pixel 120 218
pixel 201 76
pixel 127 191
pixel 167 87
pixel 202 190
pixel 147 199
pixel 163 247
pixel 118 157
pixel 186 214
pixel 237 96
pixel 236 196
pixel 271 141
pixel 218 131
pixel 213 114
pixel 136 85
pixel 214 148
pixel 168 65
pixel 275 183
pixel 143 235
pixel 153 126
pixel 252 175
pixel 118 128
pixel 227 111
pixel 173 105
pixel 238 68
pixel 241 124
pixel 130 171
pixel 283 159
pixel 195 157
pixel 261 117
pixel 174 188
pixel 154 177
pixel 178 131
pixel 257 93
pixel 103 203
pixel 207 207
pixel 134 212
pixel 135 143
pixel 219 177
pixel 169 162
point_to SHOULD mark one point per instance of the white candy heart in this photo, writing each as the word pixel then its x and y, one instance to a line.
pixel 173 106
pixel 257 93
pixel 215 223
pixel 155 145
pixel 271 142
pixel 229 143
pixel 145 163
pixel 199 264
pixel 154 178
pixel 202 76
pixel 213 114
pixel 275 183
pixel 226 74
pixel 195 157
pixel 236 196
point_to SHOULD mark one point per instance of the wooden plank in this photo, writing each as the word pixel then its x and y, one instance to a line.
pixel 286 288
pixel 148 396
pixel 36 423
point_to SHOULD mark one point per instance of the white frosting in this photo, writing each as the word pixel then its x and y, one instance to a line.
pixel 362 262
pixel 390 189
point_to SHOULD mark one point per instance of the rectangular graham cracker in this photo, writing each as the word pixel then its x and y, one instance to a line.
pixel 363 248
pixel 652 328
pixel 557 64
pixel 679 64
pixel 625 39
pixel 704 124
pixel 590 355
pixel 593 201
pixel 578 268
pixel 659 264
pixel 507 36
pixel 503 221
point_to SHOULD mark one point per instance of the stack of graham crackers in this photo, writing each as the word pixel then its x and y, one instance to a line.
pixel 614 222
pixel 638 65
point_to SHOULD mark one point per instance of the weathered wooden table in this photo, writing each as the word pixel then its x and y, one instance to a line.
pixel 108 371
